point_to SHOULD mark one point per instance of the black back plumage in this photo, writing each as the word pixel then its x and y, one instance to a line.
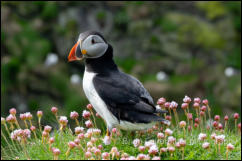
pixel 124 95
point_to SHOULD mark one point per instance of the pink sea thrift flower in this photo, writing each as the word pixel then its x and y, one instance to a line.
pixel 72 144
pixel 86 114
pixel 141 156
pixel 168 132
pixel 22 116
pixel 182 142
pixel 219 138
pixel 12 111
pixel 202 113
pixel 167 105
pixel 39 113
pixel 197 100
pixel 163 150
pixel 47 128
pixel 88 124
pixel 220 126
pixel 230 147
pixel 197 120
pixel 196 105
pixel 28 115
pixel 215 124
pixel 79 130
pixel 173 105
pixel 149 143
pixel 80 136
pixel 100 147
pixel 171 140
pixel 182 124
pixel 205 102
pixel 74 115
pixel 206 145
pixel 153 150
pixel 63 120
pixel 114 130
pixel 54 110
pixel 189 115
pixel 168 117
pixel 226 118
pixel 97 152
pixel 105 155
pixel 56 151
pixel 203 108
pixel 51 140
pixel 184 106
pixel 89 107
pixel 187 99
pixel 141 148
pixel 213 136
pixel 171 149
pixel 216 117
pixel 11 118
pixel 32 128
pixel 156 158
pixel 160 135
pixel 45 134
pixel 236 116
pixel 88 154
pixel 161 101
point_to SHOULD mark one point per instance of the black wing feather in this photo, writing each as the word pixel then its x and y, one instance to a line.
pixel 125 97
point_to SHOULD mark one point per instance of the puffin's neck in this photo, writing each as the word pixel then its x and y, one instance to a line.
pixel 103 64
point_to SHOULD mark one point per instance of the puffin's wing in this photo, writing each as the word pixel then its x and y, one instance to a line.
pixel 122 92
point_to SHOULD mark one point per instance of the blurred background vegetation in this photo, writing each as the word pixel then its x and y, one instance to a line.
pixel 174 48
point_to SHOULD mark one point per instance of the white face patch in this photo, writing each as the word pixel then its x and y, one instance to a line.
pixel 94 45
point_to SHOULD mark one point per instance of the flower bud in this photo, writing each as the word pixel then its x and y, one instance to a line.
pixel 54 110
pixel 12 111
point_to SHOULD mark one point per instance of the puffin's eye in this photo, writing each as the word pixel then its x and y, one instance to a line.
pixel 93 41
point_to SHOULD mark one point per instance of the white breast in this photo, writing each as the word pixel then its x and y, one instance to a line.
pixel 96 101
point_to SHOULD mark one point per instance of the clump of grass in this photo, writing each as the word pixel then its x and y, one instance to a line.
pixel 203 140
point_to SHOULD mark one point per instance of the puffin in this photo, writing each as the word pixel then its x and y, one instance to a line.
pixel 120 99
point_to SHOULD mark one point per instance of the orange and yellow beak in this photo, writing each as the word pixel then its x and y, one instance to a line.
pixel 72 55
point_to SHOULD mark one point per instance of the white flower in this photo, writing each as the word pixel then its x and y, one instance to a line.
pixel 136 142
pixel 153 150
pixel 107 140
pixel 171 140
pixel 206 145
pixel 202 136
pixel 149 143
pixel 79 129
pixel 182 142
pixel 219 138
pixel 173 105
pixel 187 99
pixel 230 146
pixel 63 120
pixel 168 132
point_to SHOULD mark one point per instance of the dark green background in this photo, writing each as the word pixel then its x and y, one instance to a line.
pixel 192 42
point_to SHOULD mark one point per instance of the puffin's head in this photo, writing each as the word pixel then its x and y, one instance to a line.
pixel 90 44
